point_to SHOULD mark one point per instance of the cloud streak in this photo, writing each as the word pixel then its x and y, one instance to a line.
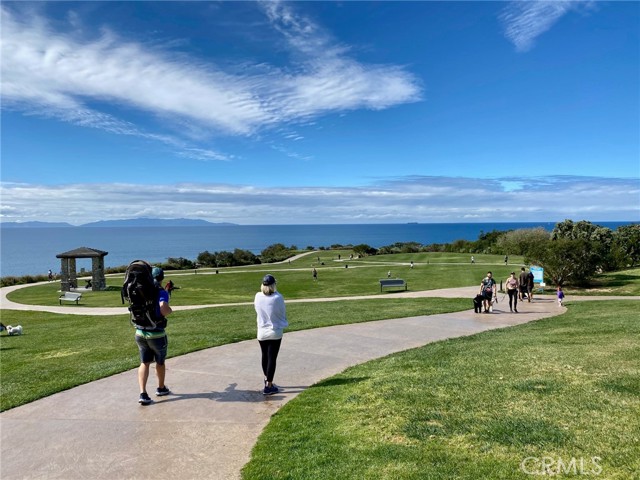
pixel 86 82
pixel 406 199
pixel 524 21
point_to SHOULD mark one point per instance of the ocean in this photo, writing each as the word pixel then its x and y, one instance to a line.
pixel 32 251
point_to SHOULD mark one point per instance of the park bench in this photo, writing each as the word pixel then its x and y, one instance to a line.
pixel 70 297
pixel 392 282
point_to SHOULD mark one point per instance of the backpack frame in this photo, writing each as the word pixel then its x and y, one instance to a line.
pixel 143 293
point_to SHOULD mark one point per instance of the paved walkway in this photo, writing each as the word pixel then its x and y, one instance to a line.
pixel 208 426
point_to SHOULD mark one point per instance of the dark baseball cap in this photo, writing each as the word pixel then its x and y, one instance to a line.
pixel 268 279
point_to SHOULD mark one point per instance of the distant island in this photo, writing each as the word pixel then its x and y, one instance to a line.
pixel 132 222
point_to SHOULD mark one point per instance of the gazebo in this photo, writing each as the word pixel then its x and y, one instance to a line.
pixel 69 277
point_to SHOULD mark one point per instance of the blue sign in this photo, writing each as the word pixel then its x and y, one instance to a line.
pixel 538 274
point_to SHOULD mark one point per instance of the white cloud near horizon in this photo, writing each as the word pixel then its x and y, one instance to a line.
pixel 64 75
pixel 400 200
pixel 524 21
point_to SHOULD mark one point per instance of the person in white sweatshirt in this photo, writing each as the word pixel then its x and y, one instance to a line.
pixel 272 319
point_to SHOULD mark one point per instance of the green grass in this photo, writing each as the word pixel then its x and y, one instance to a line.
pixel 476 407
pixel 239 284
pixel 57 352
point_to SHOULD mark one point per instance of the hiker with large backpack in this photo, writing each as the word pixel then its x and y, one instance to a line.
pixel 149 307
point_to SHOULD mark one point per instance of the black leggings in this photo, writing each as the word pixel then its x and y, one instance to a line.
pixel 270 349
pixel 513 298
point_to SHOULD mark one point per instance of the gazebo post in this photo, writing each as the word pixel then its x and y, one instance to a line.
pixel 64 275
pixel 98 281
pixel 68 274
pixel 73 275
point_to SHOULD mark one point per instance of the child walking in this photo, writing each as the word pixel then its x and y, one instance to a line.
pixel 560 294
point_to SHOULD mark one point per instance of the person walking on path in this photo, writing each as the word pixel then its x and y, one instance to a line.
pixel 272 320
pixel 560 295
pixel 523 282
pixel 529 285
pixel 152 344
pixel 315 275
pixel 512 289
pixel 488 291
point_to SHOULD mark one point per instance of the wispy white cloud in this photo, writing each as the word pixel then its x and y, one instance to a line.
pixel 406 199
pixel 524 21
pixel 74 77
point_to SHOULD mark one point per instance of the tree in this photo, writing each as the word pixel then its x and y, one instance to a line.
pixel 275 253
pixel 364 250
pixel 522 240
pixel 206 259
pixel 487 242
pixel 401 247
pixel 179 263
pixel 600 239
pixel 244 257
pixel 223 259
pixel 626 245
pixel 565 260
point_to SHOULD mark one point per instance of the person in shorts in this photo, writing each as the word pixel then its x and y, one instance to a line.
pixel 152 345
pixel 488 291
pixel 530 282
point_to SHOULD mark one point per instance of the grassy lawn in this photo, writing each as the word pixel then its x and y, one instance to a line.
pixel 477 407
pixel 57 352
pixel 239 284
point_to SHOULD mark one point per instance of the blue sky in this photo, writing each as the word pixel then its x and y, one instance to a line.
pixel 321 112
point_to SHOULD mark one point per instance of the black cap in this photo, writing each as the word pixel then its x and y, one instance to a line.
pixel 268 279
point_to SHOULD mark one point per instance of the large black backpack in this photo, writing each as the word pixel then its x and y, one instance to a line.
pixel 142 293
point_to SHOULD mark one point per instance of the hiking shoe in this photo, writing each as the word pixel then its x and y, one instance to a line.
pixel 162 391
pixel 144 399
pixel 265 384
pixel 270 390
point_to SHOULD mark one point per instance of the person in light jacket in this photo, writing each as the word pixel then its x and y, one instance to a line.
pixel 272 320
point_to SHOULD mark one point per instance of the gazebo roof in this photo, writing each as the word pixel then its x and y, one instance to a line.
pixel 82 252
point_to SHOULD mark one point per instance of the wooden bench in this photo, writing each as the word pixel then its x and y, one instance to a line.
pixel 392 282
pixel 70 297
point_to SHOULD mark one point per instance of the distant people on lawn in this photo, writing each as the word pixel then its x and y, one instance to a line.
pixel 473 259
pixel 50 275
pixel 272 320
pixel 315 275
pixel 513 291
pixel 488 291
pixel 170 287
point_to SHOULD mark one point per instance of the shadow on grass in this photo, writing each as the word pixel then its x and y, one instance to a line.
pixel 622 384
pixel 334 382
pixel 524 431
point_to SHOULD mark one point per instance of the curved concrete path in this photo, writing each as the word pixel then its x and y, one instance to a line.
pixel 208 426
